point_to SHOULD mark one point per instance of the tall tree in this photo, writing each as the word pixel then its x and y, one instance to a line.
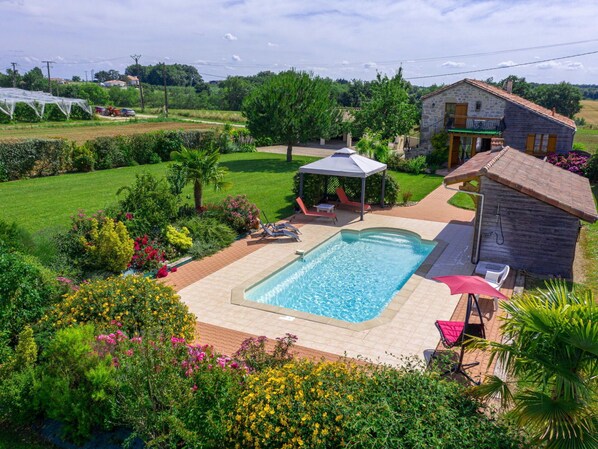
pixel 389 111
pixel 202 169
pixel 550 354
pixel 564 97
pixel 291 107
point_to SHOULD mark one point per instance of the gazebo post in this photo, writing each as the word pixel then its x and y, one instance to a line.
pixel 326 187
pixel 362 196
pixel 300 185
pixel 383 187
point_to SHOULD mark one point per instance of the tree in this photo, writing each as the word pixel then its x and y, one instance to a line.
pixel 76 79
pixel 291 107
pixel 107 75
pixel 389 111
pixel 34 80
pixel 550 353
pixel 202 169
pixel 236 88
pixel 564 97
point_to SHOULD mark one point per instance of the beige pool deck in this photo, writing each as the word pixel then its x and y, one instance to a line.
pixel 408 331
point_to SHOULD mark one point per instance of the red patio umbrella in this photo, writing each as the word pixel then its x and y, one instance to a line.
pixel 472 285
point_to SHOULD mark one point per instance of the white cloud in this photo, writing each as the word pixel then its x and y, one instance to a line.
pixel 508 63
pixel 453 64
pixel 272 44
pixel 236 58
pixel 344 62
pixel 230 37
pixel 548 65
pixel 370 65
pixel 571 65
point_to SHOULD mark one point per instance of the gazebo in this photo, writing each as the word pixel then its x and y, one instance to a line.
pixel 346 163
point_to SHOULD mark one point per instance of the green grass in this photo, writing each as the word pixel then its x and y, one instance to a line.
pixel 21 439
pixel 265 178
pixel 420 185
pixel 588 137
pixel 589 246
pixel 462 200
pixel 209 115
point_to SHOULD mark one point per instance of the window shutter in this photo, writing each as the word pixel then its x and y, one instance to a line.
pixel 551 143
pixel 529 146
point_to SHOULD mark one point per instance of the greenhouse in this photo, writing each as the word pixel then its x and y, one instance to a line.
pixel 9 97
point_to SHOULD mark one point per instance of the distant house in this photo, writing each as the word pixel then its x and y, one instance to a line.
pixel 531 210
pixel 114 83
pixel 472 112
pixel 59 80
pixel 132 80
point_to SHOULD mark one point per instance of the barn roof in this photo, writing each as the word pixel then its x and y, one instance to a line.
pixel 533 177
pixel 520 101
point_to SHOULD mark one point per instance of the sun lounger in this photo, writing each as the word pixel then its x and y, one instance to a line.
pixel 307 213
pixel 342 197
pixel 278 226
pixel 269 232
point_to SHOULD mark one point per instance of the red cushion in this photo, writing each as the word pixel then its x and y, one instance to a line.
pixel 451 331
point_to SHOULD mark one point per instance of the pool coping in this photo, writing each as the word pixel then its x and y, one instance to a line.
pixel 386 316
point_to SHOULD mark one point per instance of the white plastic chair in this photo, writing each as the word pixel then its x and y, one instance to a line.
pixel 496 279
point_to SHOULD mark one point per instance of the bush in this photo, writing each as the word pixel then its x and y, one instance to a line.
pixel 179 238
pixel 76 383
pixel 415 165
pixel 149 204
pixel 138 303
pixel 172 394
pixel 33 157
pixel 109 245
pixel 591 168
pixel 83 159
pixel 407 195
pixel 15 238
pixel 210 230
pixel 109 152
pixel 27 290
pixel 147 256
pixel 240 214
pixel 574 161
pixel 254 355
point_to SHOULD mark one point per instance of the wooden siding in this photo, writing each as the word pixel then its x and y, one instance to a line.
pixel 521 122
pixel 538 238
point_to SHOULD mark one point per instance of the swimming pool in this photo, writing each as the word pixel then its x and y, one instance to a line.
pixel 351 277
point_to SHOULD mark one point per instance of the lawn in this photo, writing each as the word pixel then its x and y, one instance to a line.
pixel 462 200
pixel 588 137
pixel 265 178
pixel 589 245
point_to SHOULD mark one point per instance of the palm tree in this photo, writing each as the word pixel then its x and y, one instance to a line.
pixel 550 357
pixel 202 168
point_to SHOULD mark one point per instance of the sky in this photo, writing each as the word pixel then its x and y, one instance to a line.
pixel 432 40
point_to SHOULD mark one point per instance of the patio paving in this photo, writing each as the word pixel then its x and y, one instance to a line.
pixel 410 332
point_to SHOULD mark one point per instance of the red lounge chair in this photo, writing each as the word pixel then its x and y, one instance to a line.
pixel 314 214
pixel 342 196
pixel 450 332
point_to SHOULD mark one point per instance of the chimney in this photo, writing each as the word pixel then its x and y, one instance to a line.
pixel 553 111
pixel 509 88
pixel 497 144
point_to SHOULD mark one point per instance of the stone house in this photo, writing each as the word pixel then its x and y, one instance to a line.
pixel 528 211
pixel 473 112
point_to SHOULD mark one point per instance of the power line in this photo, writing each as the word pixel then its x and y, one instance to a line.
pixel 502 67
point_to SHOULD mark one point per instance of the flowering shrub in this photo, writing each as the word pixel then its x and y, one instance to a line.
pixel 147 255
pixel 301 404
pixel 574 161
pixel 172 392
pixel 254 355
pixel 138 303
pixel 180 239
pixel 239 213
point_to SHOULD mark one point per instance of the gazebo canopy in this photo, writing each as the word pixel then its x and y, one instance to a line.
pixel 344 162
pixel 37 101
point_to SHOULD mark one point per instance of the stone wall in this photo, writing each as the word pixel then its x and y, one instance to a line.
pixel 530 235
pixel 433 108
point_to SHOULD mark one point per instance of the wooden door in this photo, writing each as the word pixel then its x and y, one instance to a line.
pixel 461 116
pixel 454 148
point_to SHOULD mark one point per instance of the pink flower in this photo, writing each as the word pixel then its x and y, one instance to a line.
pixel 129 352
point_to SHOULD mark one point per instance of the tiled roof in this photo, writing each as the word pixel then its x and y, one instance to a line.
pixel 533 177
pixel 497 91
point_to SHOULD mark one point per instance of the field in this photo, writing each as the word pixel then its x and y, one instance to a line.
pixel 589 112
pixel 265 178
pixel 80 131
pixel 587 137
pixel 209 115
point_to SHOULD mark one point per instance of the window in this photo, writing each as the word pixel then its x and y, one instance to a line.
pixel 540 144
pixel 478 106
pixel 449 112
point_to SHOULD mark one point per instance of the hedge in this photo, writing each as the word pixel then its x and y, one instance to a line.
pixel 47 157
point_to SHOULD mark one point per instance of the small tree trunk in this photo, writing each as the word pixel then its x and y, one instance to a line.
pixel 290 152
pixel 198 194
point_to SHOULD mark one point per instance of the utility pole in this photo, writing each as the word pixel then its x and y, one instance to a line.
pixel 85 75
pixel 14 74
pixel 91 77
pixel 165 91
pixel 49 80
pixel 136 59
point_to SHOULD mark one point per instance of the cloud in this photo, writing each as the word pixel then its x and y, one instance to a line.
pixel 236 58
pixel 548 65
pixel 230 37
pixel 453 64
pixel 272 44
pixel 370 65
pixel 345 62
pixel 571 65
pixel 508 63
pixel 566 65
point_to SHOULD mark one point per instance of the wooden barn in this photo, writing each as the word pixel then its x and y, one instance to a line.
pixel 528 211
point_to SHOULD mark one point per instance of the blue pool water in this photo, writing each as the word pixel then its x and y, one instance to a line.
pixel 351 277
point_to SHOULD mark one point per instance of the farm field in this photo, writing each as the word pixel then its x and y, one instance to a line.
pixel 265 178
pixel 210 115
pixel 587 137
pixel 85 130
pixel 589 112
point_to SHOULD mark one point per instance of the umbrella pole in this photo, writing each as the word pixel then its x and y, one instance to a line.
pixel 460 368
